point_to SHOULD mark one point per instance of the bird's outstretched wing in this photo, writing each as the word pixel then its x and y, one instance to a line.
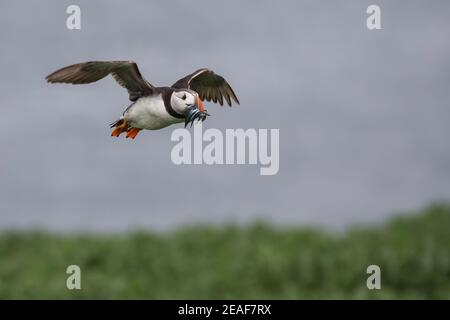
pixel 126 73
pixel 208 85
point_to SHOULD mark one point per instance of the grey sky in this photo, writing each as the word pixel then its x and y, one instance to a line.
pixel 364 116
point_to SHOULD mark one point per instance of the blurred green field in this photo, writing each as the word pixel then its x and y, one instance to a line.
pixel 254 262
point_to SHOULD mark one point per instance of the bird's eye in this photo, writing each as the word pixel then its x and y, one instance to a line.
pixel 183 97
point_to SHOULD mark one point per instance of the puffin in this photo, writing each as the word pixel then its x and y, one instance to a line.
pixel 152 107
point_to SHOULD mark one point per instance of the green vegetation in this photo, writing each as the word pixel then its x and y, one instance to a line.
pixel 255 262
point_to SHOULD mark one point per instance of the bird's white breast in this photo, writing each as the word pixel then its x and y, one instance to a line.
pixel 149 113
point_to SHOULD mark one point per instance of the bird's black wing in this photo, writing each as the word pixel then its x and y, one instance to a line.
pixel 208 85
pixel 126 73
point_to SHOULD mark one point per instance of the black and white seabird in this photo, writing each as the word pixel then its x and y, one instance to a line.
pixel 153 107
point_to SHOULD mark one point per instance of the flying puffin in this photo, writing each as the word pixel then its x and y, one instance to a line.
pixel 153 107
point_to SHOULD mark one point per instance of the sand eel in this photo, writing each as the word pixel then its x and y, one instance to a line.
pixel 153 107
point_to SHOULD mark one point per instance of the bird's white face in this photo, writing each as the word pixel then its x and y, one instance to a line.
pixel 181 100
pixel 189 104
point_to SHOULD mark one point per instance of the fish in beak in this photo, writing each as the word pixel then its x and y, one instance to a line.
pixel 197 111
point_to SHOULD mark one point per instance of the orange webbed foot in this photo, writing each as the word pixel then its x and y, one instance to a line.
pixel 116 132
pixel 133 132
pixel 121 126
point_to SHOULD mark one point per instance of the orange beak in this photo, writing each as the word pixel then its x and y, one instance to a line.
pixel 200 104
